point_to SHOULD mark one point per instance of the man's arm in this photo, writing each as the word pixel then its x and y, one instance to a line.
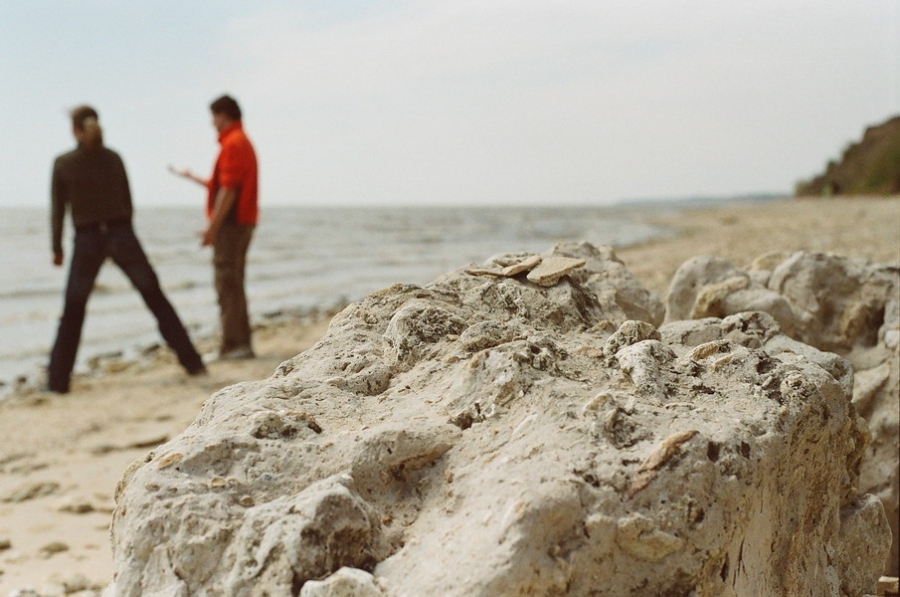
pixel 187 174
pixel 57 214
pixel 224 201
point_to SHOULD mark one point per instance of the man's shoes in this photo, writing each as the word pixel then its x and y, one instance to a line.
pixel 48 389
pixel 198 371
pixel 237 354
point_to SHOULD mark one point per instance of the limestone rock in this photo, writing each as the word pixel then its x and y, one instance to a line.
pixel 849 307
pixel 485 436
pixel 617 290
pixel 346 582
pixel 690 279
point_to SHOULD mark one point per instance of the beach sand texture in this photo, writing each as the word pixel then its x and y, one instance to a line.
pixel 62 456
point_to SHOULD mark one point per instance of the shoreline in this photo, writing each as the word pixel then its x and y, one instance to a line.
pixel 323 266
pixel 141 356
pixel 65 454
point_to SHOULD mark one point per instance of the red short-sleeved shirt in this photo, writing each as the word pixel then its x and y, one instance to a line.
pixel 236 168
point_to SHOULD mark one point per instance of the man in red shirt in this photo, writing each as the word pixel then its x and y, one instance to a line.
pixel 232 210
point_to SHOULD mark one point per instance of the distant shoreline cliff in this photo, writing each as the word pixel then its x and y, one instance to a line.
pixel 869 167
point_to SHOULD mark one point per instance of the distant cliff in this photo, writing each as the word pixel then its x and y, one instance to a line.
pixel 870 167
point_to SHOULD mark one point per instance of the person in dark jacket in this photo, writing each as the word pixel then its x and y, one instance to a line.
pixel 90 182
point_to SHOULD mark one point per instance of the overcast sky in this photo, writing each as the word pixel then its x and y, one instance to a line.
pixel 452 102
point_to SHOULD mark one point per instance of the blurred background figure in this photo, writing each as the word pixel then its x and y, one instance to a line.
pixel 91 183
pixel 232 209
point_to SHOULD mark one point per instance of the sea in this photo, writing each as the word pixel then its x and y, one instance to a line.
pixel 303 260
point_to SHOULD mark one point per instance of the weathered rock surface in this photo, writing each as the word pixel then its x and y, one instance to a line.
pixel 846 306
pixel 488 436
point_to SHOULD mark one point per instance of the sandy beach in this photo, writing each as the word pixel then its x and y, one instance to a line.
pixel 63 455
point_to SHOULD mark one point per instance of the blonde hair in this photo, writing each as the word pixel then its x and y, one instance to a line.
pixel 86 121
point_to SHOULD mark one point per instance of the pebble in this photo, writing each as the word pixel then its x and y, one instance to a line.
pixel 31 491
pixel 76 506
pixel 54 547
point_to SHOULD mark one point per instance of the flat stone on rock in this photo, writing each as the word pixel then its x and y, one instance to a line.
pixel 551 269
pixel 502 270
pixel 527 264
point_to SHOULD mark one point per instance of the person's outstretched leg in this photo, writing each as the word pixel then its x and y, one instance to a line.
pixel 87 257
pixel 126 251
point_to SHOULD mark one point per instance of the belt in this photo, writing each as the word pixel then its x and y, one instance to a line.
pixel 102 226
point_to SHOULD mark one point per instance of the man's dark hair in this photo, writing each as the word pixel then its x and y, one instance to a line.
pixel 226 105
pixel 85 120
pixel 81 114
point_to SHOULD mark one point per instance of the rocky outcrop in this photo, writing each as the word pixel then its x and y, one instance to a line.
pixel 846 306
pixel 488 435
pixel 870 166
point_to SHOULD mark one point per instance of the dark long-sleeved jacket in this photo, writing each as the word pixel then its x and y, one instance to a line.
pixel 93 184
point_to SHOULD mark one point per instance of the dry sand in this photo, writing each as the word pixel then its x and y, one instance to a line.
pixel 61 456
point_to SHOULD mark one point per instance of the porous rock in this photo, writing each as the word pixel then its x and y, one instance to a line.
pixel 346 582
pixel 497 437
pixel 850 307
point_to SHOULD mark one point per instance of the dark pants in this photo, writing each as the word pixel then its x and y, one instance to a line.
pixel 229 262
pixel 92 246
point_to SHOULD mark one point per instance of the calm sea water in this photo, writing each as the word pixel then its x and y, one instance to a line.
pixel 301 259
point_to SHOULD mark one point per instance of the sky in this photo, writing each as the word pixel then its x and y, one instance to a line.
pixel 451 102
